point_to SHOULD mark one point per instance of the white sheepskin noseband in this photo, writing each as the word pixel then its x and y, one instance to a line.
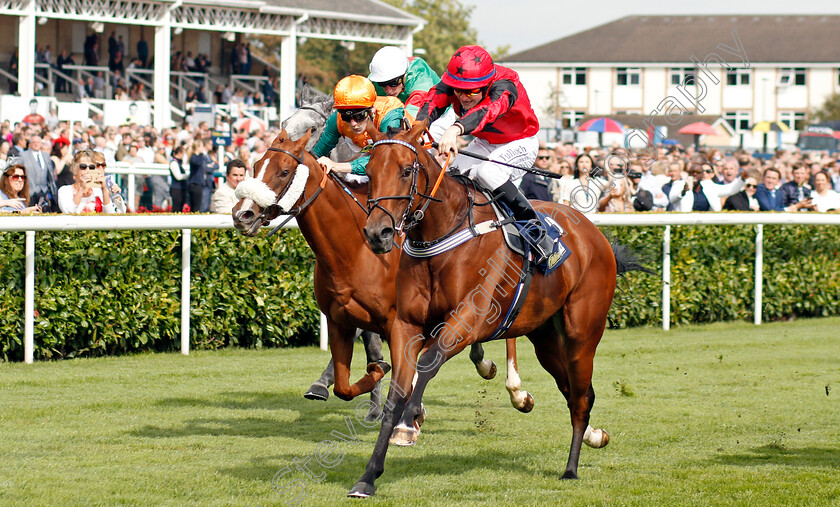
pixel 260 193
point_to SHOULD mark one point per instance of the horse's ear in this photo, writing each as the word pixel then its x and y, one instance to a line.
pixel 374 132
pixel 282 136
pixel 301 143
pixel 417 130
pixel 306 94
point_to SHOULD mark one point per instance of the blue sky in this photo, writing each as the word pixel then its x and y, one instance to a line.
pixel 524 24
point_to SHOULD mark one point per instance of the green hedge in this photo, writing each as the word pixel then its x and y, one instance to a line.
pixel 101 293
pixel 713 274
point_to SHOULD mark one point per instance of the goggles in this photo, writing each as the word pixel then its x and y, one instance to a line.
pixel 357 115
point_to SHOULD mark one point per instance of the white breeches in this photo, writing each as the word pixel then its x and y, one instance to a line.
pixel 521 153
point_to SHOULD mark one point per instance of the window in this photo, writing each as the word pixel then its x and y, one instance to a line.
pixel 571 118
pixel 682 76
pixel 737 77
pixel 795 120
pixel 792 76
pixel 739 120
pixel 574 76
pixel 627 76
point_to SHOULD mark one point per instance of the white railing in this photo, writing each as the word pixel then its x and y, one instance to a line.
pixel 669 219
pixel 186 223
pixel 132 171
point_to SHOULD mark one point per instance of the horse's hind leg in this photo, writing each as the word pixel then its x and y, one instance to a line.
pixel 485 367
pixel 569 360
pixel 521 400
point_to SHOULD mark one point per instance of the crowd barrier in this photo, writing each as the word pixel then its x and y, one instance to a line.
pixel 186 223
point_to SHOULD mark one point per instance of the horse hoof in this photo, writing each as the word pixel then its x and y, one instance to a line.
pixel 489 372
pixel 384 366
pixel 528 406
pixel 596 438
pixel 404 436
pixel 569 475
pixel 422 417
pixel 317 392
pixel 362 490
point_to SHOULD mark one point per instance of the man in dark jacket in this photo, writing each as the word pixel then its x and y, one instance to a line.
pixel 797 193
pixel 534 186
pixel 768 194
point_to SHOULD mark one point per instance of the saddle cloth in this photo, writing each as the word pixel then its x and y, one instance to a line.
pixel 513 231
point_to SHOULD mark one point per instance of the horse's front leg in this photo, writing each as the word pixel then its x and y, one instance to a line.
pixel 320 390
pixel 485 367
pixel 404 351
pixel 373 351
pixel 406 432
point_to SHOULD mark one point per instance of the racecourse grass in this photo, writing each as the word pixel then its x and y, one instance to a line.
pixel 724 414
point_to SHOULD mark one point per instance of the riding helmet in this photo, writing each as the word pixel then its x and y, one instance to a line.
pixel 470 67
pixel 354 92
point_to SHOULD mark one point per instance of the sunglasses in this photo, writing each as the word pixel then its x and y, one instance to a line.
pixel 100 164
pixel 392 83
pixel 18 177
pixel 357 115
pixel 85 167
pixel 708 171
pixel 468 93
pixel 750 185
pixel 543 157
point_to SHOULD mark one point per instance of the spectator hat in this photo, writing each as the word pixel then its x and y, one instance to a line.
pixel 643 201
pixel 470 67
pixel 388 63
pixel 354 92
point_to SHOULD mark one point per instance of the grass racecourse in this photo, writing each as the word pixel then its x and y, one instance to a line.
pixel 724 414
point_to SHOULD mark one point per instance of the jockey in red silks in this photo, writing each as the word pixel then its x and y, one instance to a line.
pixel 493 107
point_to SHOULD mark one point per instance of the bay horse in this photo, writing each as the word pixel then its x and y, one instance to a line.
pixel 453 299
pixel 354 287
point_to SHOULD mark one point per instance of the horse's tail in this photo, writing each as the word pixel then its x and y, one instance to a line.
pixel 627 260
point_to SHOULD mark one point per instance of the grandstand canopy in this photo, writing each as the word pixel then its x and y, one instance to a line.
pixel 347 20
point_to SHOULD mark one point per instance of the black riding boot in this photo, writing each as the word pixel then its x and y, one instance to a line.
pixel 523 211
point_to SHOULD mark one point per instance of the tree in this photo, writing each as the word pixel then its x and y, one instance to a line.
pixel 829 111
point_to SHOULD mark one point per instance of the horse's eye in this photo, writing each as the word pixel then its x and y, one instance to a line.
pixel 406 172
pixel 284 173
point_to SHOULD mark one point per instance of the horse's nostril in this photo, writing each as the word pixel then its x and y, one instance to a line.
pixel 387 232
pixel 245 215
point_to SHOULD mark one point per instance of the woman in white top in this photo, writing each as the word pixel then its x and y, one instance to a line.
pixel 823 198
pixel 558 186
pixel 89 194
pixel 584 192
pixel 699 192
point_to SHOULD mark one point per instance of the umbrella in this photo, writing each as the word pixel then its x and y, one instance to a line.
pixel 698 128
pixel 250 124
pixel 769 126
pixel 601 125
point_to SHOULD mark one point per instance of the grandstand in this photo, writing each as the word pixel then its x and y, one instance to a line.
pixel 210 27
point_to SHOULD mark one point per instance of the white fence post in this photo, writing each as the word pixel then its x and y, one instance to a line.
pixel 759 270
pixel 666 279
pixel 29 300
pixel 186 241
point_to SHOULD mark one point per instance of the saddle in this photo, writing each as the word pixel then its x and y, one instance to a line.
pixel 518 234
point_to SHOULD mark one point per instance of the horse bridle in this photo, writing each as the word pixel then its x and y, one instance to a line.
pixel 409 219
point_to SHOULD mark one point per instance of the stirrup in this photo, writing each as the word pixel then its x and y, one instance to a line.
pixel 543 247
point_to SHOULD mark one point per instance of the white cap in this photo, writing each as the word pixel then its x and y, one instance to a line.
pixel 388 63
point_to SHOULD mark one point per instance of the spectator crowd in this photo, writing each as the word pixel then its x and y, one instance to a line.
pixel 684 179
pixel 69 168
